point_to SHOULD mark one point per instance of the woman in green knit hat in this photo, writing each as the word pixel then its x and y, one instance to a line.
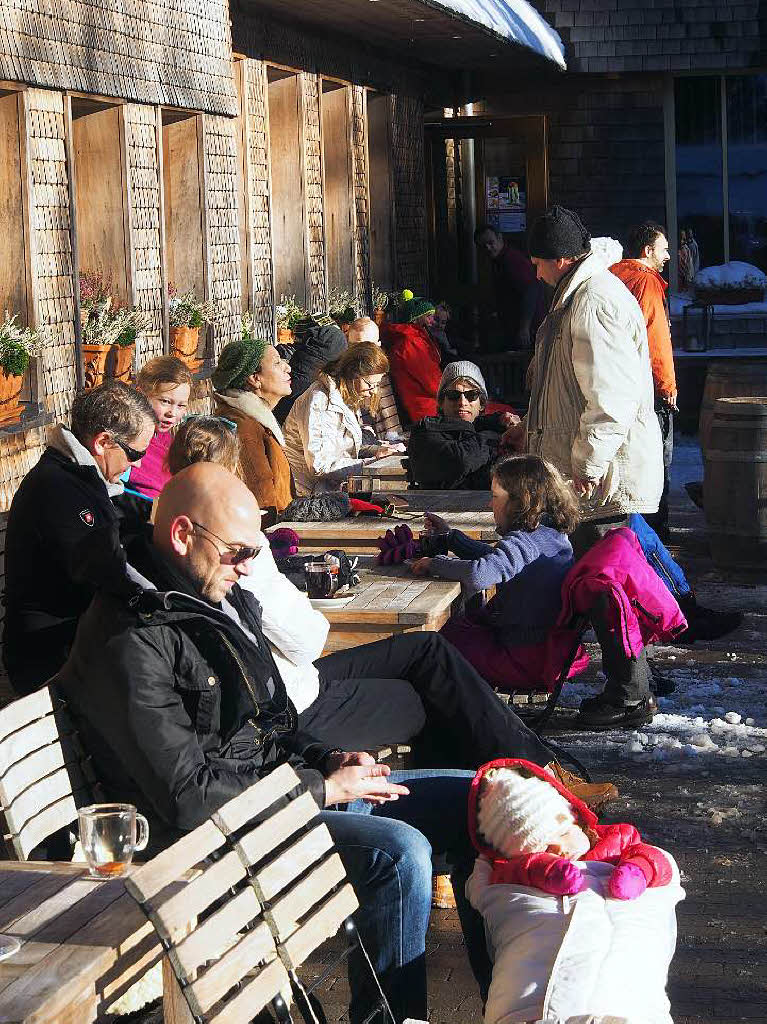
pixel 414 357
pixel 249 379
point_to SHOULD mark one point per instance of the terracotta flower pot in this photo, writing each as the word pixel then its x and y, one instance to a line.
pixel 184 342
pixel 285 336
pixel 94 363
pixel 379 315
pixel 10 390
pixel 120 362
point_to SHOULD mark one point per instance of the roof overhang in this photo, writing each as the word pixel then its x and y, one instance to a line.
pixel 489 38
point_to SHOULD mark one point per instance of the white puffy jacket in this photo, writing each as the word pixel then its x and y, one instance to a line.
pixel 560 959
pixel 592 411
pixel 323 440
pixel 296 632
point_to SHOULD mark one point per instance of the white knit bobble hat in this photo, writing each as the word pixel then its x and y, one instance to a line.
pixel 520 815
pixel 462 369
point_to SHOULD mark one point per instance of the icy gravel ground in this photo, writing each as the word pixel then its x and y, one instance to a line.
pixel 716 717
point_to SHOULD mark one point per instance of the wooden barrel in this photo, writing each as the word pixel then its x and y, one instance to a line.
pixel 735 484
pixel 729 378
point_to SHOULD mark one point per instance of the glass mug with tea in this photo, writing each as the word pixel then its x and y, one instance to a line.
pixel 322 578
pixel 110 834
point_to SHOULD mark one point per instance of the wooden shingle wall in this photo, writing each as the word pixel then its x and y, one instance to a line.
pixel 409 193
pixel 158 52
pixel 362 284
pixel 665 35
pixel 316 292
pixel 221 211
pixel 52 281
pixel 145 219
pixel 257 205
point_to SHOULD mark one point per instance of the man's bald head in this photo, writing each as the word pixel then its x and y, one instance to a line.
pixel 363 329
pixel 204 513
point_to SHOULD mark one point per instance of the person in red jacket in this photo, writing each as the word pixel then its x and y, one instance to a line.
pixel 647 255
pixel 414 358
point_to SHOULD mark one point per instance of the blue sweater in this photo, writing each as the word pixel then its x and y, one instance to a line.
pixel 526 568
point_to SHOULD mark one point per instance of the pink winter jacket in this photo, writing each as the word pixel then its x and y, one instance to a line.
pixel 640 607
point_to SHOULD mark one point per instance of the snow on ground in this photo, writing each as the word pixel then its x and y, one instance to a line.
pixel 724 716
pixel 717 715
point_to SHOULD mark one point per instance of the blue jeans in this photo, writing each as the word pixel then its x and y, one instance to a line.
pixel 656 553
pixel 388 851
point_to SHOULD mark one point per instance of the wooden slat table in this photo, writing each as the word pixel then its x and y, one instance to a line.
pixel 389 601
pixel 464 510
pixel 385 474
pixel 84 942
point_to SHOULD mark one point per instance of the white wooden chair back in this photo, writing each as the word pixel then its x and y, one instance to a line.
pixel 295 872
pixel 227 964
pixel 45 774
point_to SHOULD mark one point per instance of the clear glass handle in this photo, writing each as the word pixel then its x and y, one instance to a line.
pixel 142 832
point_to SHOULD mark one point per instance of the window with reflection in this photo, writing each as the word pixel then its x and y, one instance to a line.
pixel 747 168
pixel 699 187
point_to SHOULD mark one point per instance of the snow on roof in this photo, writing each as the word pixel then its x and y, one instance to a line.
pixel 516 21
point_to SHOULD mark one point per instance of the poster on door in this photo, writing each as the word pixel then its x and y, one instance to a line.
pixel 506 201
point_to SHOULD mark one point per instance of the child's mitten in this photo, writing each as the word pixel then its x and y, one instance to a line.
pixel 627 882
pixel 554 875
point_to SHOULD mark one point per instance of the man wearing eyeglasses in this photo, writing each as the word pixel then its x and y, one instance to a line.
pixel 59 504
pixel 181 705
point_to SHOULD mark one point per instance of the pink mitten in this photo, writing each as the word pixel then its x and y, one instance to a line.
pixel 627 882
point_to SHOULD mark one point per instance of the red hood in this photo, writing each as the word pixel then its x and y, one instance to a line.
pixel 587 817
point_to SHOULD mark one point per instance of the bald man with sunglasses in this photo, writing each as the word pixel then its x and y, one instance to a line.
pixel 181 705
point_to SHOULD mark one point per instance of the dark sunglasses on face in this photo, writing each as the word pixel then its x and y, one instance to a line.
pixel 131 454
pixel 455 396
pixel 236 553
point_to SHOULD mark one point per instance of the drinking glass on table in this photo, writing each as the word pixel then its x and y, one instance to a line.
pixel 110 834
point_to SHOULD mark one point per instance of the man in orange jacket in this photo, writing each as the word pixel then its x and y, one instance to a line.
pixel 647 254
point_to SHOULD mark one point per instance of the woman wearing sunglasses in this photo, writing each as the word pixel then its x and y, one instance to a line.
pixel 323 431
pixel 455 449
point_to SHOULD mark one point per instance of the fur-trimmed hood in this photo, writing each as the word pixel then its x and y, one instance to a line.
pixel 250 404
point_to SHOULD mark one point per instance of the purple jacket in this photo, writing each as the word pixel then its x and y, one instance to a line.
pixel 640 606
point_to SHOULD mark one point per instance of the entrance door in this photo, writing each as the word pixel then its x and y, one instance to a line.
pixel 480 170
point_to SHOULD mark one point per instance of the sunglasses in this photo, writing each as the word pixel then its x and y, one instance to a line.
pixel 455 396
pixel 131 454
pixel 236 553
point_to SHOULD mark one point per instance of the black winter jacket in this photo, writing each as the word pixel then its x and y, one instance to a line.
pixel 179 709
pixel 57 508
pixel 320 346
pixel 453 454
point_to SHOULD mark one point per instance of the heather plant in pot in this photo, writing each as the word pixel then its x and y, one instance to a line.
pixel 108 331
pixel 287 314
pixel 380 302
pixel 187 315
pixel 17 346
pixel 342 307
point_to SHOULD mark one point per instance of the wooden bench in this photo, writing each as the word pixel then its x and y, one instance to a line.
pixel 275 892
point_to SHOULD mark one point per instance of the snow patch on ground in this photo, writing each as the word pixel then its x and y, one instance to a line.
pixel 719 717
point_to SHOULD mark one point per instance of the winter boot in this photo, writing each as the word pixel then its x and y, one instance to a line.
pixel 705 623
pixel 599 714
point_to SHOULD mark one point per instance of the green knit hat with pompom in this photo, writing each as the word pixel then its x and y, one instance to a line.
pixel 412 307
pixel 238 360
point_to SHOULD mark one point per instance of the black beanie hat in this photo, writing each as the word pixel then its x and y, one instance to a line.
pixel 559 234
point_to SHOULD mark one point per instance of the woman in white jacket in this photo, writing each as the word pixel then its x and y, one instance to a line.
pixel 323 432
